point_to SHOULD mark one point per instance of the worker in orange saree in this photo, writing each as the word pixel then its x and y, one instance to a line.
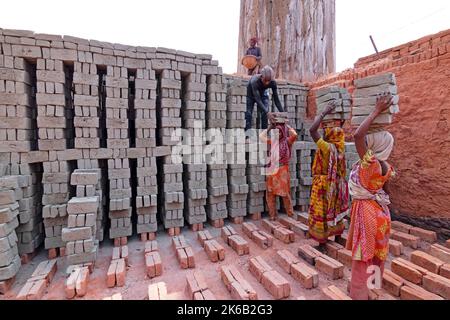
pixel 370 226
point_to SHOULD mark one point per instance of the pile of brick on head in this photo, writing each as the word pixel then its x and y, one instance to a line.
pixel 340 96
pixel 365 98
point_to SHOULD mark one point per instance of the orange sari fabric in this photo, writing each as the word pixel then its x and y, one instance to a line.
pixel 370 222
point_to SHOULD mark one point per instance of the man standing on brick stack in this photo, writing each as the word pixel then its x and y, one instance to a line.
pixel 254 51
pixel 256 94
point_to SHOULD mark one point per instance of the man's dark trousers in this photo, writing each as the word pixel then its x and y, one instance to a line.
pixel 248 114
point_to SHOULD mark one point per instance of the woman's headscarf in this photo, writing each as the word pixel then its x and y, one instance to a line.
pixel 280 151
pixel 381 144
pixel 336 136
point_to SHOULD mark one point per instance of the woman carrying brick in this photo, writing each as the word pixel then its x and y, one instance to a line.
pixel 370 226
pixel 329 192
pixel 278 182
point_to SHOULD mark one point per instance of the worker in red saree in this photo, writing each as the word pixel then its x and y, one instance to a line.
pixel 370 225
pixel 278 182
pixel 329 192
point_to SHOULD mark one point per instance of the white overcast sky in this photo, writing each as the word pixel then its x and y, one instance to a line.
pixel 211 26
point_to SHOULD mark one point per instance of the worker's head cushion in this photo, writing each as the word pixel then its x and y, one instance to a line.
pixel 381 144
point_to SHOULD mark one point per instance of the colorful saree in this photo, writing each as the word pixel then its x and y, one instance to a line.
pixel 329 192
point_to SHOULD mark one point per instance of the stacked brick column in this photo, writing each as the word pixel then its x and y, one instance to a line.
pixel 351 157
pixel 173 196
pixel 80 233
pixel 305 159
pixel 118 140
pixel 30 230
pixel 87 120
pixel 52 123
pixel 293 168
pixel 193 117
pixel 17 135
pixel 301 97
pixel 147 188
pixel 237 179
pixel 216 119
pixel 9 211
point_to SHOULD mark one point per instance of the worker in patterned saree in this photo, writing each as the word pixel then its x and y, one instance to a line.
pixel 329 193
pixel 278 180
pixel 370 225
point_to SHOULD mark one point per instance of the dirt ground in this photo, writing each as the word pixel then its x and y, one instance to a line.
pixel 137 281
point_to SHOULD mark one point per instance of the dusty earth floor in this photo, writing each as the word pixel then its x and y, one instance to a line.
pixel 137 281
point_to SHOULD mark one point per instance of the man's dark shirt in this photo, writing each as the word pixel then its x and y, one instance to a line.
pixel 254 52
pixel 256 88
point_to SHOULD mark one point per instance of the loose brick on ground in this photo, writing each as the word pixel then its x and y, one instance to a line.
pixel 400 226
pixel 116 296
pixel 6 285
pixel 261 238
pixel 408 271
pixel 70 288
pixel 248 228
pixel 392 283
pixel 287 222
pixel 330 267
pixel 195 284
pixel 276 284
pixel 302 230
pixel 309 254
pixel 334 293
pixel 203 236
pixel 151 246
pixel 239 288
pixel 258 266
pixel 332 249
pixel 121 271
pixel 437 284
pixel 285 260
pixel 153 264
pixel 82 282
pixel 214 250
pixel 157 291
pixel 345 257
pixel 379 295
pixel 407 239
pixel 395 248
pixel 45 270
pixel 111 274
pixel 426 235
pixel 226 233
pixel 301 216
pixel 440 252
pixel 239 245
pixel 307 276
pixel 445 271
pixel 411 291
pixel 426 261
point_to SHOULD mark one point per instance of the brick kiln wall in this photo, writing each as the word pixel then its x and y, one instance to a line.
pixel 421 191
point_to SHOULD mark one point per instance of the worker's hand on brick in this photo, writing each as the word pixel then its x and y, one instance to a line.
pixel 330 108
pixel 384 102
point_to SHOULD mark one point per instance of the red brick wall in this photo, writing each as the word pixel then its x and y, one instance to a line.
pixel 422 129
